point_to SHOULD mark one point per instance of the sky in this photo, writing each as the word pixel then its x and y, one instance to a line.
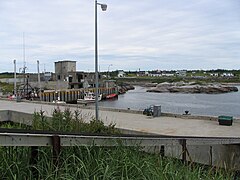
pixel 132 34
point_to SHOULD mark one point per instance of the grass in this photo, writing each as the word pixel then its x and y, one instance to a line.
pixel 93 163
pixel 100 163
pixel 6 75
pixel 67 121
pixel 6 87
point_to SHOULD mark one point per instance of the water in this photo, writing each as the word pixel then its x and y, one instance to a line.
pixel 196 104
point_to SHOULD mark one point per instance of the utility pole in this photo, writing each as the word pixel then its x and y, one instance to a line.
pixel 39 80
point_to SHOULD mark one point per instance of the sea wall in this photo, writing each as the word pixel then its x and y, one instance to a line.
pixel 17 117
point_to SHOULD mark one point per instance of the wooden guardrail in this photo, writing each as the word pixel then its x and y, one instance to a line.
pixel 37 139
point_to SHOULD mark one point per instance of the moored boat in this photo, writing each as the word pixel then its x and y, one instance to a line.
pixel 89 97
pixel 111 96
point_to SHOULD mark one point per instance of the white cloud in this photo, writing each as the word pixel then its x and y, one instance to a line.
pixel 151 34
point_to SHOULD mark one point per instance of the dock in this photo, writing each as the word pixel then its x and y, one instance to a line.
pixel 175 125
pixel 71 95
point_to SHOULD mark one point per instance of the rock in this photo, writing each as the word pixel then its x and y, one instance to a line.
pixel 124 88
pixel 150 84
pixel 208 89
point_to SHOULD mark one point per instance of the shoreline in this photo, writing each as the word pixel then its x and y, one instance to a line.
pixel 128 110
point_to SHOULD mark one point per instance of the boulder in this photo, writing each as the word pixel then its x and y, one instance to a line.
pixel 208 89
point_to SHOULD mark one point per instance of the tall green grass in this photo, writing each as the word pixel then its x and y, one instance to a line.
pixel 67 121
pixel 100 163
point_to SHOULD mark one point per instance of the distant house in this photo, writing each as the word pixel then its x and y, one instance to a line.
pixel 156 73
pixel 121 73
pixel 214 74
pixel 167 74
pixel 143 73
pixel 227 75
pixel 181 73
pixel 47 76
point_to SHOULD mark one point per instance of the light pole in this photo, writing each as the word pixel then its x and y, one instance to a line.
pixel 104 8
pixel 108 71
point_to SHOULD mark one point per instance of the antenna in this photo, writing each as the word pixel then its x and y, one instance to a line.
pixel 44 70
pixel 24 59
pixel 15 78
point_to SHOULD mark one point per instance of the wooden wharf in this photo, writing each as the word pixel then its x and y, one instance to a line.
pixel 71 95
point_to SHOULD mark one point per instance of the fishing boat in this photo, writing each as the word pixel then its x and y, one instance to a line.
pixel 111 96
pixel 89 97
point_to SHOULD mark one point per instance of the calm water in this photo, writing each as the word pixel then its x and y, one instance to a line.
pixel 197 104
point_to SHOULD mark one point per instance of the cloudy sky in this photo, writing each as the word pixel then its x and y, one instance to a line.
pixel 133 34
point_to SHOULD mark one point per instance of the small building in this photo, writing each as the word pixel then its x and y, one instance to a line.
pixel 80 79
pixel 167 74
pixel 142 73
pixel 181 73
pixel 214 74
pixel 63 68
pixel 227 75
pixel 121 73
pixel 48 76
pixel 109 83
pixel 155 73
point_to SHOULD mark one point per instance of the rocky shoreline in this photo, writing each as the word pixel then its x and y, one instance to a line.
pixel 123 88
pixel 191 88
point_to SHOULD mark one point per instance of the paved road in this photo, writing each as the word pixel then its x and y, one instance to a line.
pixel 159 125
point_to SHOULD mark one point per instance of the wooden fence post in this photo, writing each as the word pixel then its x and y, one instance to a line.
pixel 33 161
pixel 184 150
pixel 56 149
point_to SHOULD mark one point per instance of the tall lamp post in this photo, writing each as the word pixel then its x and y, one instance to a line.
pixel 104 8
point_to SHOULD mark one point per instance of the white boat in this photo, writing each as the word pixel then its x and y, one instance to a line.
pixel 89 97
pixel 58 101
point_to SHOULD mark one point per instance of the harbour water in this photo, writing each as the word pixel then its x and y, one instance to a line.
pixel 196 104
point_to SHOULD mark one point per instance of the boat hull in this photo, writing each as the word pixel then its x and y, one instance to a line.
pixel 82 101
pixel 111 96
pixel 89 99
